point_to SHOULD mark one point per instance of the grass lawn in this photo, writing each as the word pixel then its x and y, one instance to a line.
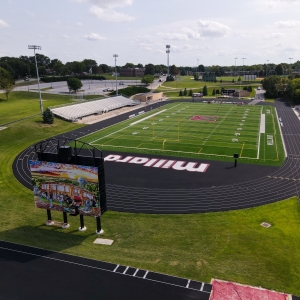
pixel 172 88
pixel 230 245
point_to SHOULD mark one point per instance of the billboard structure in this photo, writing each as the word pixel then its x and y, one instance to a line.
pixel 249 78
pixel 66 187
pixel 68 176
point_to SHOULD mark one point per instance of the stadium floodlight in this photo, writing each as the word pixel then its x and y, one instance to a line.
pixel 115 56
pixel 34 47
pixel 168 52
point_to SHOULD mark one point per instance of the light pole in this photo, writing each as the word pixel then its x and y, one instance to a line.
pixel 115 56
pixel 235 64
pixel 168 52
pixel 34 47
pixel 290 58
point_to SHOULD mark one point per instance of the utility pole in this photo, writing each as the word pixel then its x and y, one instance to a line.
pixel 35 47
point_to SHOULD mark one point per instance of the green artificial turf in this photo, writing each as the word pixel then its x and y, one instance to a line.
pixel 227 129
pixel 228 245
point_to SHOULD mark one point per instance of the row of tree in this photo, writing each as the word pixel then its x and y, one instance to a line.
pixel 22 66
pixel 277 86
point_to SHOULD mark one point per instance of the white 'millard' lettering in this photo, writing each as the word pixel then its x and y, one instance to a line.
pixel 139 160
pixel 159 164
pixel 169 164
pixel 190 166
pixel 151 162
pixel 112 157
pixel 126 159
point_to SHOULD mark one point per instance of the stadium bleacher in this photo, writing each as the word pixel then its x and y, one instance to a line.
pixel 81 110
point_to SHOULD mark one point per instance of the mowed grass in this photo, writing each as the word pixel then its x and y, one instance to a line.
pixel 172 88
pixel 230 245
pixel 225 130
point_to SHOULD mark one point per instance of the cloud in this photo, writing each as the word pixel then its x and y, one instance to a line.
pixel 110 15
pixel 173 36
pixel 79 23
pixel 104 10
pixel 288 24
pixel 212 29
pixel 192 33
pixel 94 37
pixel 107 3
pixel 273 35
pixel 3 24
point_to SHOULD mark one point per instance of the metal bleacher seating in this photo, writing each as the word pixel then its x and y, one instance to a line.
pixel 78 111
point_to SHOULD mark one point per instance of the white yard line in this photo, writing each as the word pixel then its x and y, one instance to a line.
pixel 259 132
pixel 185 152
pixel 141 120
pixel 131 124
pixel 218 125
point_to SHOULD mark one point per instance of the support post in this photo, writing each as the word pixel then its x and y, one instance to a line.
pixel 98 222
pixel 49 221
pixel 65 224
pixel 82 227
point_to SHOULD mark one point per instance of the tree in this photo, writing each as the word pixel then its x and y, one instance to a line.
pixel 183 72
pixel 233 80
pixel 190 92
pixel 147 79
pixel 213 92
pixel 201 68
pixel 105 68
pixel 170 78
pixel 279 69
pixel 174 70
pixel 149 69
pixel 74 84
pixel 196 76
pixel 48 117
pixel 129 65
pixel 180 93
pixel 6 82
pixel 185 92
pixel 292 87
pixel 205 91
pixel 270 84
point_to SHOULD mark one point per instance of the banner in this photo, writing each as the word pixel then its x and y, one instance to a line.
pixel 66 187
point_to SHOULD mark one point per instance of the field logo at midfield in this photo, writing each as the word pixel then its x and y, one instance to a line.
pixel 204 118
pixel 159 163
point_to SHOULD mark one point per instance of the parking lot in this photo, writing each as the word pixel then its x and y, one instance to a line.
pixel 92 87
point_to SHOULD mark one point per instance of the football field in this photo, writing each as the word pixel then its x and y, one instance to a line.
pixel 210 130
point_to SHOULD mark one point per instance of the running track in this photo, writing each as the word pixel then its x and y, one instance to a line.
pixel 280 183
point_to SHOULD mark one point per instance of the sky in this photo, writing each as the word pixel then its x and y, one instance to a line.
pixel 211 32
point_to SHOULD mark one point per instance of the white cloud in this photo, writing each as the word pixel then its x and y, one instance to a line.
pixel 94 37
pixel 3 24
pixel 273 35
pixel 111 3
pixel 173 36
pixel 107 3
pixel 288 24
pixel 212 29
pixel 109 15
pixel 292 48
pixel 192 33
pixel 104 10
pixel 79 23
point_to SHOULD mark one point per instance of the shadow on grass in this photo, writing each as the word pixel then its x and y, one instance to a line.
pixel 22 239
